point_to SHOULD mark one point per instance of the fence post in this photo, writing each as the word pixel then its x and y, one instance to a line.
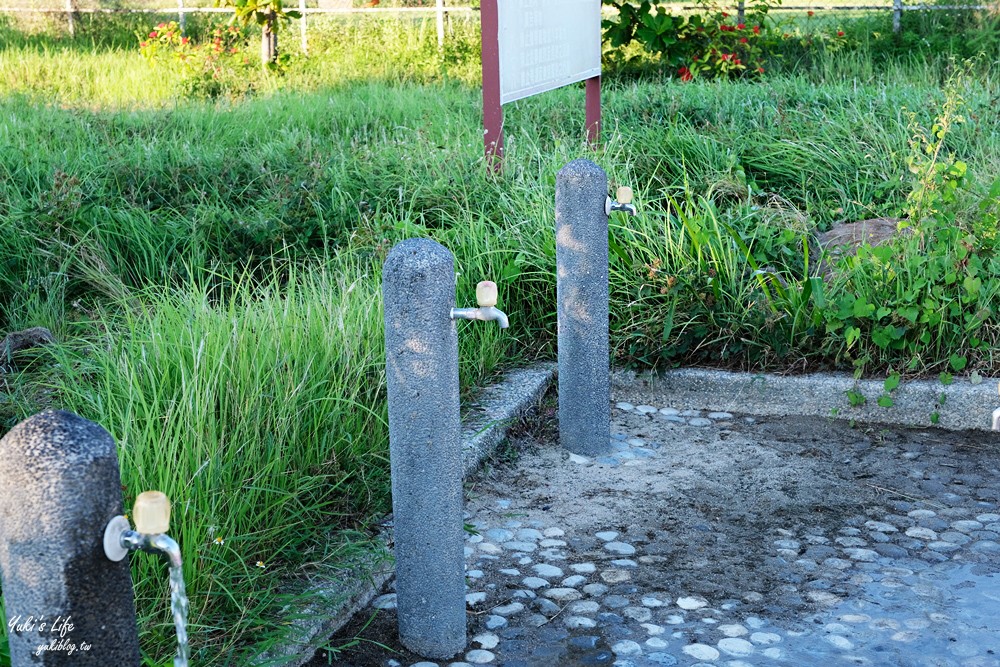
pixel 582 304
pixel 69 17
pixel 741 13
pixel 302 26
pixel 440 23
pixel 897 15
pixel 425 451
pixel 59 488
pixel 181 15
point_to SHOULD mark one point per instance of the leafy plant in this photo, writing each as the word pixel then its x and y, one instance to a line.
pixel 269 15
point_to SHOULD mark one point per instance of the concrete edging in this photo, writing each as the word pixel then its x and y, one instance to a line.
pixel 965 406
pixel 484 428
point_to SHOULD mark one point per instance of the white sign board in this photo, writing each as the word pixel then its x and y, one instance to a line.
pixel 545 44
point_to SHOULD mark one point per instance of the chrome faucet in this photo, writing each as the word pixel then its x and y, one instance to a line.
pixel 152 520
pixel 486 297
pixel 623 202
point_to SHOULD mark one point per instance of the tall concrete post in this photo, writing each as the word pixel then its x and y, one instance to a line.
pixel 421 361
pixel 66 602
pixel 582 297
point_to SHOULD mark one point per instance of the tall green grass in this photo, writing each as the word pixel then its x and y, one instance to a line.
pixel 212 268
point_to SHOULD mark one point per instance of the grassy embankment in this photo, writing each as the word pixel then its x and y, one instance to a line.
pixel 212 268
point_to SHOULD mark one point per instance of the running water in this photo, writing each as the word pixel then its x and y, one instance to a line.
pixel 179 610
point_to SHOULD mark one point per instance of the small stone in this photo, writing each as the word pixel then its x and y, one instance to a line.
pixel 499 534
pixel 943 547
pixel 624 405
pixel 822 597
pixel 674 619
pixel 553 532
pixel 536 621
pixel 701 652
pixel 526 547
pixel 509 609
pixel 988 518
pixel 510 572
pixel 549 542
pixel 851 542
pixel 652 601
pixel 656 643
pixel 472 599
pixel 700 422
pixel 837 563
pixel 641 614
pixel 595 590
pixel 765 638
pixel 490 548
pixel 653 629
pixel 692 602
pixel 534 582
pixel 615 576
pixel 574 581
pixel 673 412
pixel 584 607
pixel 626 647
pixel 966 526
pixel 863 555
pixel 563 594
pixel 720 415
pixel 387 601
pixel 921 533
pixel 424 664
pixel 578 622
pixel 546 606
pixel 732 630
pixel 880 527
pixel 606 535
pixel 736 647
pixel 486 640
pixel 493 622
pixel 576 458
pixel 645 409
pixel 529 535
pixel 791 545
pixel 838 641
pixel 546 570
pixel 479 657
pixel 921 514
pixel 583 568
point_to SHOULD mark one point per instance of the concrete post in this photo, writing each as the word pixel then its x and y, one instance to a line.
pixel 421 360
pixel 66 602
pixel 582 296
pixel 897 15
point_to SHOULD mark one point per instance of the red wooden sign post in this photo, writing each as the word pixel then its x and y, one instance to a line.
pixel 537 57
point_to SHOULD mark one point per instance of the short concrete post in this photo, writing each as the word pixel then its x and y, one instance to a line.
pixel 897 15
pixel 421 360
pixel 66 602
pixel 582 296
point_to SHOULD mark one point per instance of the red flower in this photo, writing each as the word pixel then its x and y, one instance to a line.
pixel 725 15
pixel 743 40
pixel 152 34
pixel 142 44
pixel 756 30
pixel 741 26
pixel 810 13
pixel 184 40
pixel 840 33
pixel 685 74
pixel 760 69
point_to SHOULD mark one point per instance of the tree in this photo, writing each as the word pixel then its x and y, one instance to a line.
pixel 268 14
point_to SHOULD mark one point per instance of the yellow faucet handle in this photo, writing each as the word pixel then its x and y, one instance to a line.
pixel 151 513
pixel 624 195
pixel 486 294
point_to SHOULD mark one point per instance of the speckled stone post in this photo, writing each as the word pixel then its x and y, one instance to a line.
pixel 421 360
pixel 67 604
pixel 582 297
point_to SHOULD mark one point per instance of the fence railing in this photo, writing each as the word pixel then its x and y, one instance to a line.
pixel 897 8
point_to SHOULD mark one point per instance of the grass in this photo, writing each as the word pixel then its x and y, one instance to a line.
pixel 212 266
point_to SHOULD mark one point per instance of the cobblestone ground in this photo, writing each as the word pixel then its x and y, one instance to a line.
pixel 718 539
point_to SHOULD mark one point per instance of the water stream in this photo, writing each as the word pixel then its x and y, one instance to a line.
pixel 179 610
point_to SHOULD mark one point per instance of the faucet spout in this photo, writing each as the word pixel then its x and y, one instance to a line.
pixel 484 314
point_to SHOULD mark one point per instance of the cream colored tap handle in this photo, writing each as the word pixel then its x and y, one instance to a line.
pixel 624 195
pixel 151 513
pixel 486 294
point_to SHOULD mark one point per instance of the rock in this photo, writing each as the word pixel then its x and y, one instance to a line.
pixel 693 602
pixel 18 341
pixel 843 240
pixel 701 652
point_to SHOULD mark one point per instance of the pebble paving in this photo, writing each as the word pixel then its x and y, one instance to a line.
pixel 911 584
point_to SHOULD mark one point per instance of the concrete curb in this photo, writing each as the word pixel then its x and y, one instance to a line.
pixel 965 406
pixel 484 428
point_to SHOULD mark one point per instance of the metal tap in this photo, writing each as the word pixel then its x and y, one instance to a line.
pixel 623 202
pixel 486 297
